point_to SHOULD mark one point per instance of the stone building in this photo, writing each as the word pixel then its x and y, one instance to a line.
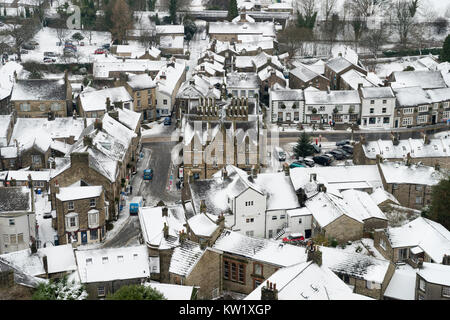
pixel 302 77
pixel 286 105
pixel 43 98
pixel 432 282
pixel 143 91
pixel 80 214
pixel 94 104
pixel 377 107
pixel 410 185
pixel 336 67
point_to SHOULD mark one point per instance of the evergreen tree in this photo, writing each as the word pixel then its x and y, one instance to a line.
pixel 173 11
pixel 60 290
pixel 439 210
pixel 232 10
pixel 303 148
pixel 445 52
pixel 306 21
pixel 136 292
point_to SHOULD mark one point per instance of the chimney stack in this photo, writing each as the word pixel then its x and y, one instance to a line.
pixel 202 206
pixel 437 166
pixel 45 263
pixel 312 177
pixel 314 254
pixel 165 212
pixel 269 292
pixel 166 231
pixel 420 264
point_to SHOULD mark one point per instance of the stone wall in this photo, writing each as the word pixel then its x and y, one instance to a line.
pixel 344 229
pixel 388 251
pixel 40 109
pixel 374 223
pixel 110 287
pixel 318 82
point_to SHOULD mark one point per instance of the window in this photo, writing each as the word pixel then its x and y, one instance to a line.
pixel 256 283
pixel 12 222
pixel 384 101
pixel 419 187
pixel 322 108
pixel 249 220
pixel 5 239
pixel 270 234
pixel 149 91
pixel 446 292
pixel 446 114
pixel 20 238
pixel 423 108
pixel 42 107
pixel 383 110
pixel 73 222
pixel 408 110
pixel 372 120
pixel 372 101
pixel 248 203
pixel 299 220
pixel 310 108
pixel 422 285
pixel 383 243
pixel 93 114
pixel 138 94
pixel 372 110
pixel 226 269
pixel 12 239
pixel 403 254
pixel 101 291
pixel 282 216
pixel 119 258
pixel 127 105
pixel 92 202
pixel 93 234
pixel 407 121
pixel 70 205
pixel 241 273
pixel 25 107
pixel 394 186
pixel 422 119
pixel 419 200
pixel 88 261
pixel 386 120
pixel 243 93
pixel 257 269
pixel 165 101
pixel 135 256
pixel 36 159
pixel 233 271
pixel 436 106
pixel 274 217
pixel 55 107
pixel 104 260
pixel 249 233
pixel 138 103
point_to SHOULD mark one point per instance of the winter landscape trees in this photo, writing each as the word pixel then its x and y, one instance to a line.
pixel 303 148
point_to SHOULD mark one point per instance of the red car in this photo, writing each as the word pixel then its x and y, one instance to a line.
pixel 294 237
pixel 100 51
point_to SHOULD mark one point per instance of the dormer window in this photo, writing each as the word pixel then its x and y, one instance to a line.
pixel 88 261
pixel 105 260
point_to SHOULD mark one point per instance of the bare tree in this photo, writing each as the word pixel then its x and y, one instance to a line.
pixel 292 39
pixel 403 21
pixel 362 8
pixel 440 24
pixel 328 8
pixel 358 25
pixel 307 13
pixel 374 39
pixel 332 29
pixel 122 20
pixel 62 33
pixel 21 31
pixel 413 6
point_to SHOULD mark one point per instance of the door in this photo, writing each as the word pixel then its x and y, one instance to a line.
pixel 83 237
pixel 307 233
pixel 396 123
pixel 433 119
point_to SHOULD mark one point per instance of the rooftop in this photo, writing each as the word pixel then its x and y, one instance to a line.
pixel 435 273
pixel 76 193
pixel 42 90
pixel 15 199
pixel 415 174
pixel 96 100
pixel 185 257
pixel 424 79
pixel 332 97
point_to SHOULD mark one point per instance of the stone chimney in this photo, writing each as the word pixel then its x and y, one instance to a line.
pixel 114 114
pixel 420 264
pixel 166 231
pixel 394 139
pixel 321 187
pixel 165 212
pixel 202 206
pixel 108 104
pixel 162 76
pixel 286 169
pixel 30 181
pixel 313 177
pixel 314 254
pixel 269 292
pixel 379 159
pixel 87 141
pixel 437 166
pixel 224 173
pixel 328 89
pixel 221 221
pixel 98 124
pixel 182 236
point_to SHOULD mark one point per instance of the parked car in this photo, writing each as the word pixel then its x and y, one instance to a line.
pixel 294 237
pixel 106 46
pixel 316 148
pixel 49 60
pixel 329 155
pixel 348 148
pixel 280 154
pixel 346 153
pixel 28 46
pixel 100 51
pixel 297 164
pixel 309 162
pixel 343 142
pixel 82 44
pixel 23 51
pixel 50 54
pixel 167 121
pixel 337 154
pixel 33 42
pixel 323 160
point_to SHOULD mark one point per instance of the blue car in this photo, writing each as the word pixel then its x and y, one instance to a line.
pixel 167 121
pixel 148 174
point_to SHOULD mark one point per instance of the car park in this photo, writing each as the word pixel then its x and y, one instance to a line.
pixel 309 162
pixel 100 51
pixel 49 60
pixel 322 160
pixel 348 148
pixel 343 142
pixel 280 154
pixel 316 148
pixel 297 164
pixel 337 154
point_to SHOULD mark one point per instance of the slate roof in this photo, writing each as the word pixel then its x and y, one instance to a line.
pixel 15 199
pixel 185 257
pixel 42 90
pixel 424 79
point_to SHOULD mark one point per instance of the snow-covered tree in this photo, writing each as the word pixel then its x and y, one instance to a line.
pixel 60 290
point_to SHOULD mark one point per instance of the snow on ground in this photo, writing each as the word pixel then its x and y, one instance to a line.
pixel 363 246
pixel 156 128
pixel 47 39
pixel 46 234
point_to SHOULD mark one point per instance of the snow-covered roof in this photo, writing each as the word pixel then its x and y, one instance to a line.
pixel 172 291
pixel 8 152
pixel 304 73
pixel 438 95
pixel 411 96
pixel 278 189
pixel 267 72
pixel 286 95
pixel 22 175
pixel 102 69
pixel 414 174
pixel 96 100
pixel 119 131
pixel 431 236
pixel 338 64
pixel 60 146
pixel 185 257
pixel 436 148
pixel 263 250
pixel 152 223
pixel 172 76
pixel 141 81
pixel 5 122
pixel 379 195
pixel 377 92
pixel 170 42
pixel 129 118
pixel 170 29
pixel 42 90
pixel 435 273
pixel 402 285
pixel 424 79
pixel 253 43
pixel 354 264
pixel 332 97
pixel 15 199
pixel 242 80
pixel 264 28
pixel 298 212
pixel 196 87
pixel 76 193
pixel 336 175
pixel 362 203
pixel 246 17
pixel 203 225
pixel 111 264
pixel 327 207
pixel 307 281
pixel 353 78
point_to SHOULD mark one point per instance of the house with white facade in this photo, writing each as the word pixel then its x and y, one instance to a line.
pixel 377 107
pixel 168 81
pixel 340 106
pixel 243 84
pixel 17 219
pixel 93 104
pixel 286 105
